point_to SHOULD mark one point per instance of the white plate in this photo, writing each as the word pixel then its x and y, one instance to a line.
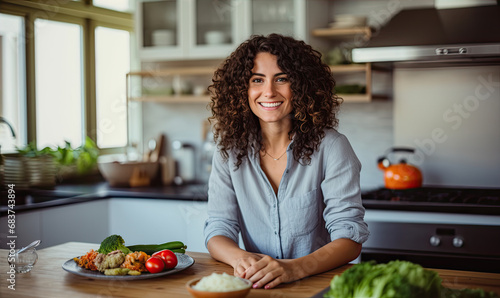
pixel 183 262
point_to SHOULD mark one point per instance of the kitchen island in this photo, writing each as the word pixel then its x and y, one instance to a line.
pixel 48 279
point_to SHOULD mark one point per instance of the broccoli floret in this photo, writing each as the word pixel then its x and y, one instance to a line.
pixel 111 243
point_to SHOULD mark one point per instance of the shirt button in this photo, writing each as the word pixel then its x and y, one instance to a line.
pixel 277 257
pixel 275 233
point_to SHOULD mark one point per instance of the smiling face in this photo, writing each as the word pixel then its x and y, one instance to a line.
pixel 269 91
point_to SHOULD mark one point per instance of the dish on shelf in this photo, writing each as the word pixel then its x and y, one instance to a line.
pixel 348 21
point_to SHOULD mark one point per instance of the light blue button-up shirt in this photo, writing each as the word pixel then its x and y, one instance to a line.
pixel 315 204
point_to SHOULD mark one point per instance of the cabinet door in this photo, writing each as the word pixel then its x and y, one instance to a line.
pixel 27 229
pixel 287 17
pixel 215 29
pixel 81 222
pixel 155 221
pixel 161 27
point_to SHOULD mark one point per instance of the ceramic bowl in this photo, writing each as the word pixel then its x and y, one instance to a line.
pixel 163 37
pixel 205 294
pixel 215 37
pixel 122 173
pixel 347 20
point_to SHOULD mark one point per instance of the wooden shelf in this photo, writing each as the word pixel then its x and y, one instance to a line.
pixel 355 98
pixel 349 68
pixel 172 98
pixel 339 33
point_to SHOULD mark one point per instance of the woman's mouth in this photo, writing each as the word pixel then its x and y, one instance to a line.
pixel 270 104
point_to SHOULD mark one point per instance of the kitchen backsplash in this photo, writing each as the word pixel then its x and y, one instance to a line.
pixel 451 115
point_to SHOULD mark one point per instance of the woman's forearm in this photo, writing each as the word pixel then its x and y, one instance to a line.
pixel 330 256
pixel 225 250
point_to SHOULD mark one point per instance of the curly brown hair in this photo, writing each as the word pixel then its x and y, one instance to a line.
pixel 314 101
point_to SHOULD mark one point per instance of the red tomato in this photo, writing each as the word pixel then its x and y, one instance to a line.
pixel 168 257
pixel 155 265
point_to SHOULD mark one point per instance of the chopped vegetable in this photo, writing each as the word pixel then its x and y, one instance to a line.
pixel 87 261
pixel 111 243
pixel 116 271
pixel 136 261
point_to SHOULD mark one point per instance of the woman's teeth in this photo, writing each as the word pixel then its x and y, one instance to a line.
pixel 270 104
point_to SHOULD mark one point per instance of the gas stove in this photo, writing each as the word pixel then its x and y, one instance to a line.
pixel 450 228
pixel 435 199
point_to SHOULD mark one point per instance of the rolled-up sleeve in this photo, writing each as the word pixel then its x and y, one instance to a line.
pixel 223 208
pixel 344 211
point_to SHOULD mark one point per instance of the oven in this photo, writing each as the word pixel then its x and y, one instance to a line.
pixel 447 228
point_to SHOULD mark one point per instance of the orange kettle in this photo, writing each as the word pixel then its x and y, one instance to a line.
pixel 401 175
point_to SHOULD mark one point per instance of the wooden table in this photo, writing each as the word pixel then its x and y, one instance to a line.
pixel 48 279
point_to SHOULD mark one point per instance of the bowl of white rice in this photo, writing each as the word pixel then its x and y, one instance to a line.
pixel 220 286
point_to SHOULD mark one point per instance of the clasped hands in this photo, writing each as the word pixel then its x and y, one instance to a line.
pixel 264 271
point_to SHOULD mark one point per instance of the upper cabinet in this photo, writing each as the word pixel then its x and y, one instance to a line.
pixel 186 29
pixel 201 29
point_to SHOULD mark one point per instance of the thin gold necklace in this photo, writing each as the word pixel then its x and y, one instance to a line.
pixel 265 152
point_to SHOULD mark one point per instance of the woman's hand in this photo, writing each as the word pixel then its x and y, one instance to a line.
pixel 265 271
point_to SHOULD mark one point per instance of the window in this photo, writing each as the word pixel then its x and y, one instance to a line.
pixel 120 5
pixel 59 94
pixel 12 83
pixel 76 59
pixel 112 54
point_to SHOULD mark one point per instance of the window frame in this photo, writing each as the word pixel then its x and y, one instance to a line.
pixel 89 17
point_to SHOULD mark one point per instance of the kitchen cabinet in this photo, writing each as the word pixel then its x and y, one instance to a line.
pixel 350 37
pixel 159 221
pixel 198 29
pixel 187 29
pixel 76 222
pixel 27 229
pixel 289 17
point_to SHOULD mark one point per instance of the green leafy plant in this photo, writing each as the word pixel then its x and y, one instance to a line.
pixel 84 157
pixel 31 151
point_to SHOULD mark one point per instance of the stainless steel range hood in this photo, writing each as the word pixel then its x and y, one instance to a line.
pixel 432 34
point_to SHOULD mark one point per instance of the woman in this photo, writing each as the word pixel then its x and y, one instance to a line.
pixel 283 177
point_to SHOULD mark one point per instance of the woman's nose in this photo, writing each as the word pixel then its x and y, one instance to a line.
pixel 270 90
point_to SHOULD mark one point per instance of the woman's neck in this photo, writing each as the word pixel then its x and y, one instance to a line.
pixel 275 136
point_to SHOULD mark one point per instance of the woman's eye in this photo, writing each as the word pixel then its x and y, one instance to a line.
pixel 256 80
pixel 282 80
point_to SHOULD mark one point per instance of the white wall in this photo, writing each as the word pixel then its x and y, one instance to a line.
pixel 369 128
pixel 452 116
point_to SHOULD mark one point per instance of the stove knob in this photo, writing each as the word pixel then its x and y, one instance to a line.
pixel 435 240
pixel 458 241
